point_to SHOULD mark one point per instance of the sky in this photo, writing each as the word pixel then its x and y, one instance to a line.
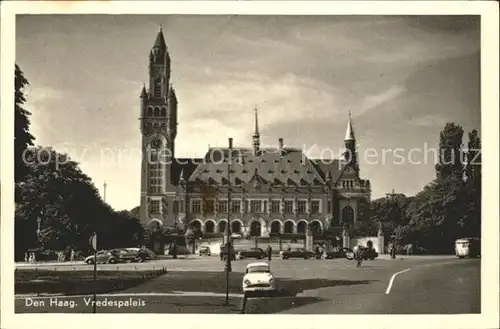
pixel 402 78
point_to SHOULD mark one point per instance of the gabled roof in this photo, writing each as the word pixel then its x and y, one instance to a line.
pixel 286 166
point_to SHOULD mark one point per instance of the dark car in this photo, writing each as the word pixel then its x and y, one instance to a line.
pixel 104 257
pixel 127 256
pixel 142 254
pixel 296 253
pixel 369 253
pixel 256 253
pixel 338 253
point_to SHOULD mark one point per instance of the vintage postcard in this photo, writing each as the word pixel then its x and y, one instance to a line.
pixel 241 160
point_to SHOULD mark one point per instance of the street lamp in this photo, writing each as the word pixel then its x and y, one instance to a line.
pixel 229 253
pixel 391 197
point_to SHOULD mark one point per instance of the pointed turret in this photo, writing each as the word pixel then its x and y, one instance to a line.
pixel 350 154
pixel 160 41
pixel 144 93
pixel 256 135
pixel 349 134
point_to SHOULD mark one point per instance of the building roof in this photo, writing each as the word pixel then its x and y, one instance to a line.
pixel 270 166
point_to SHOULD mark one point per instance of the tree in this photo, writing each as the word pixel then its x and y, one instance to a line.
pixel 471 224
pixel 450 162
pixel 22 136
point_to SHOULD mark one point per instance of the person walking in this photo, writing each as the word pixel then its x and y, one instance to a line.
pixel 174 250
pixel 72 255
pixel 269 252
pixel 221 253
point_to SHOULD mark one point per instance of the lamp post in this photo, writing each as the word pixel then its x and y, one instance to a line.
pixel 391 197
pixel 229 253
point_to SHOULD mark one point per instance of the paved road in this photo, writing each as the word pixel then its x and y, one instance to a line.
pixel 432 285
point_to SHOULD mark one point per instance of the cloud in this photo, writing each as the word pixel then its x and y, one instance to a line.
pixel 373 101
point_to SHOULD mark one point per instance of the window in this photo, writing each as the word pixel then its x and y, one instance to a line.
pixel 288 206
pixel 158 87
pixel 329 206
pixel 245 209
pixel 314 206
pixel 195 206
pixel 150 111
pixel 208 206
pixel 235 206
pixel 155 174
pixel 255 206
pixel 222 206
pixel 176 206
pixel 301 205
pixel 163 112
pixel 275 206
pixel 264 205
pixel 155 206
pixel 157 112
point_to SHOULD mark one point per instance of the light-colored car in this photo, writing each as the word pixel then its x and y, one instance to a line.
pixel 258 278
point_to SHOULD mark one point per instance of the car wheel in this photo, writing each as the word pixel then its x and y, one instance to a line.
pixel 112 261
pixel 90 262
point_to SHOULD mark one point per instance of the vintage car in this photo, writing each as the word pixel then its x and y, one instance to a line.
pixel 143 254
pixel 296 253
pixel 338 253
pixel 258 278
pixel 256 253
pixel 105 257
pixel 204 251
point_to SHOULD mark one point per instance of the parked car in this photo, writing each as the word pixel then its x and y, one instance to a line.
pixel 143 254
pixel 204 251
pixel 468 247
pixel 369 253
pixel 127 256
pixel 258 278
pixel 296 253
pixel 104 257
pixel 337 253
pixel 256 253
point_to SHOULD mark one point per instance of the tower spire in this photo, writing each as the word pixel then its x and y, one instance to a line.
pixel 349 134
pixel 256 135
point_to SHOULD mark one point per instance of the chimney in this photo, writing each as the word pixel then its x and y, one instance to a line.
pixel 280 143
pixel 230 143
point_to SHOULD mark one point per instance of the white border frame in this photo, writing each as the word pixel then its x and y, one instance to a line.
pixel 489 131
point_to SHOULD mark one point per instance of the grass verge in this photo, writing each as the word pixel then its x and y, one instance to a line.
pixel 39 282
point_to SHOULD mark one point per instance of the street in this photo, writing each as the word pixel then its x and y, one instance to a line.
pixel 412 285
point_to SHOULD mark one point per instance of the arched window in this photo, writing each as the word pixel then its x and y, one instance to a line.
pixel 275 227
pixel 236 227
pixel 301 227
pixel 255 229
pixel 209 227
pixel 196 225
pixel 150 111
pixel 315 227
pixel 347 215
pixel 288 227
pixel 163 112
pixel 163 127
pixel 222 226
pixel 157 112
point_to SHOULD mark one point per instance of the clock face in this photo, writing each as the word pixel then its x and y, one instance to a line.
pixel 156 143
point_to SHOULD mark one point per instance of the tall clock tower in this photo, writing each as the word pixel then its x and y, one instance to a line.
pixel 158 120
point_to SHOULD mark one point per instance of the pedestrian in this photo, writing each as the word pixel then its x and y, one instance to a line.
pixel 174 250
pixel 317 253
pixel 358 255
pixel 72 255
pixel 221 253
pixel 243 303
pixel 269 252
pixel 26 257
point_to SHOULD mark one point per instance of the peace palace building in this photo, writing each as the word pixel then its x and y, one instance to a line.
pixel 271 190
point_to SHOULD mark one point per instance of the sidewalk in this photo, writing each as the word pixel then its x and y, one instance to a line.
pixel 54 263
pixel 402 257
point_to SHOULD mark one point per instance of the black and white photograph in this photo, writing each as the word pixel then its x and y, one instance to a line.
pixel 246 163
